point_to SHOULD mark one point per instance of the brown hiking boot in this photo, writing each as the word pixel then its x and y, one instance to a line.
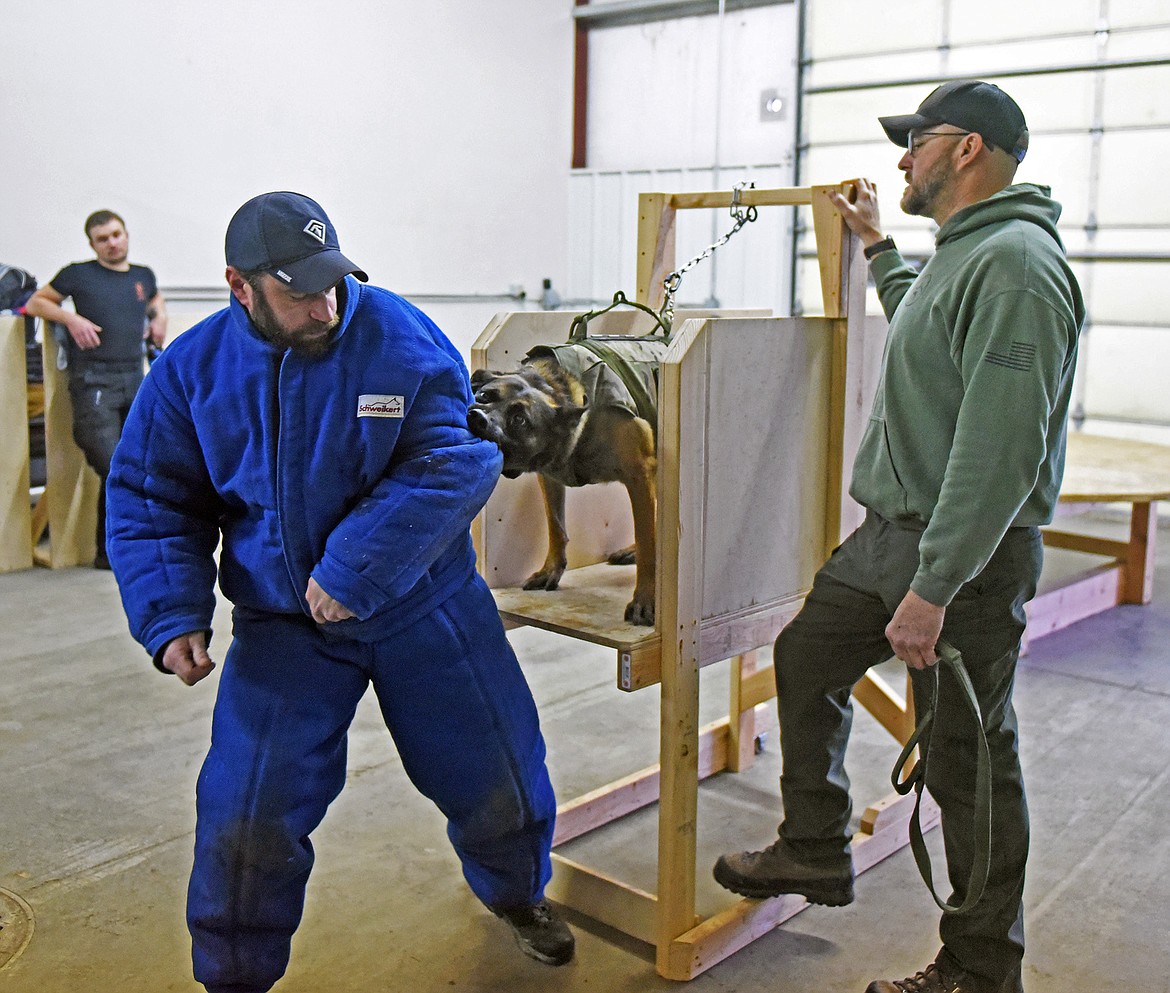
pixel 777 870
pixel 933 980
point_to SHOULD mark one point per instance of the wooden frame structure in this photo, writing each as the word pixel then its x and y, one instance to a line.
pixel 68 505
pixel 732 569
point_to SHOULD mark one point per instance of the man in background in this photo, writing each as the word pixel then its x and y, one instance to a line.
pixel 117 306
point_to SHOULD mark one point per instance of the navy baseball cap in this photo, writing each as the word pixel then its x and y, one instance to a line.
pixel 971 105
pixel 290 237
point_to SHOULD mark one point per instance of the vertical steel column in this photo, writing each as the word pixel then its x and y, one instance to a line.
pixel 580 92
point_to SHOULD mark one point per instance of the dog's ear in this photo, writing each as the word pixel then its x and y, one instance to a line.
pixel 481 376
pixel 569 414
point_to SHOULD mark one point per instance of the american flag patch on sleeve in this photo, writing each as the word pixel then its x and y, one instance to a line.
pixel 1019 356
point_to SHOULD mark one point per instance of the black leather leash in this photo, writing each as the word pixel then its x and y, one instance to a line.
pixel 950 659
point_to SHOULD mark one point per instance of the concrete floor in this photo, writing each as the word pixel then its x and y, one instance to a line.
pixel 99 754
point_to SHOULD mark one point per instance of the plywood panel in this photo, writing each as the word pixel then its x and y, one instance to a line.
pixel 766 431
pixel 15 516
pixel 510 533
pixel 72 486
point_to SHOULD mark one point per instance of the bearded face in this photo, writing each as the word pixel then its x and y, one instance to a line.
pixel 921 195
pixel 286 320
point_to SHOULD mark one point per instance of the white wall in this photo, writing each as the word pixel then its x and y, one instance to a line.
pixel 685 93
pixel 436 135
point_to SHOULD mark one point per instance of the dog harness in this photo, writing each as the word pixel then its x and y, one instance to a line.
pixel 614 372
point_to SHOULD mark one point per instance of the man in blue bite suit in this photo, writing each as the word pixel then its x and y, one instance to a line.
pixel 318 428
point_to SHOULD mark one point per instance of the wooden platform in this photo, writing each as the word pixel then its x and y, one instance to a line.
pixel 589 607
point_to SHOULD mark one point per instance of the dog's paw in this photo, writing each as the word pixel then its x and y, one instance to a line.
pixel 546 579
pixel 626 556
pixel 640 612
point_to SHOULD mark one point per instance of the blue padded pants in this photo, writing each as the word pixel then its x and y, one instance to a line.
pixel 465 725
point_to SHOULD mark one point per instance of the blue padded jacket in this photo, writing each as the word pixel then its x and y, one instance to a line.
pixel 355 468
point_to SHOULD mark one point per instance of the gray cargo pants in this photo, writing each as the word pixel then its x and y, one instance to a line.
pixel 829 645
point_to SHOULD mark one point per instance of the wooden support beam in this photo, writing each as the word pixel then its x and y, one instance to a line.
pixel 629 910
pixel 639 667
pixel 790 197
pixel 889 709
pixel 725 933
pixel 637 790
pixel 1085 543
pixel 680 601
pixel 758 688
pixel 895 809
pixel 15 519
pixel 843 279
pixel 656 230
pixel 1058 608
pixel 1138 586
pixel 741 744
pixel 72 487
pixel 833 240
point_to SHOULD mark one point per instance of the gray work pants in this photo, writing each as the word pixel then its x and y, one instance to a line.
pixel 101 399
pixel 838 635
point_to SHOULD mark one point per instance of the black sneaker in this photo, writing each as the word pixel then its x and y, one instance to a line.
pixel 776 870
pixel 932 980
pixel 540 933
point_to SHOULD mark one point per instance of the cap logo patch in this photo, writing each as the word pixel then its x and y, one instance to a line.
pixel 379 405
pixel 284 275
pixel 316 229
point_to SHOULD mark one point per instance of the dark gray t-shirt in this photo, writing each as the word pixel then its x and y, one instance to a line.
pixel 116 302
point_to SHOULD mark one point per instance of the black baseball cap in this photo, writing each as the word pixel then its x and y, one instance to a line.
pixel 290 237
pixel 971 105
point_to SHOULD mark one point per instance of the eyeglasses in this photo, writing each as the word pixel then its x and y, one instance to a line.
pixel 920 139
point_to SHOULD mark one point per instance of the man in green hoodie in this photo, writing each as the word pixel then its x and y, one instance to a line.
pixel 960 464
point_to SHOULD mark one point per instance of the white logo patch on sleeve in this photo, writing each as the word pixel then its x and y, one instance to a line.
pixel 379 405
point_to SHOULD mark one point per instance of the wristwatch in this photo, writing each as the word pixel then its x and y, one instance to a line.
pixel 880 246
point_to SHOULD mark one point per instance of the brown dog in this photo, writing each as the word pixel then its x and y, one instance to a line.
pixel 572 429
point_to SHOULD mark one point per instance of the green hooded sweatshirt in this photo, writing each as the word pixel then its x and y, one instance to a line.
pixel 967 433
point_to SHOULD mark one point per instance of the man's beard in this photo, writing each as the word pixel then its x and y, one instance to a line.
pixel 920 199
pixel 305 340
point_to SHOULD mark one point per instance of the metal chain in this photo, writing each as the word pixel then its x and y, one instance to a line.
pixel 742 215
